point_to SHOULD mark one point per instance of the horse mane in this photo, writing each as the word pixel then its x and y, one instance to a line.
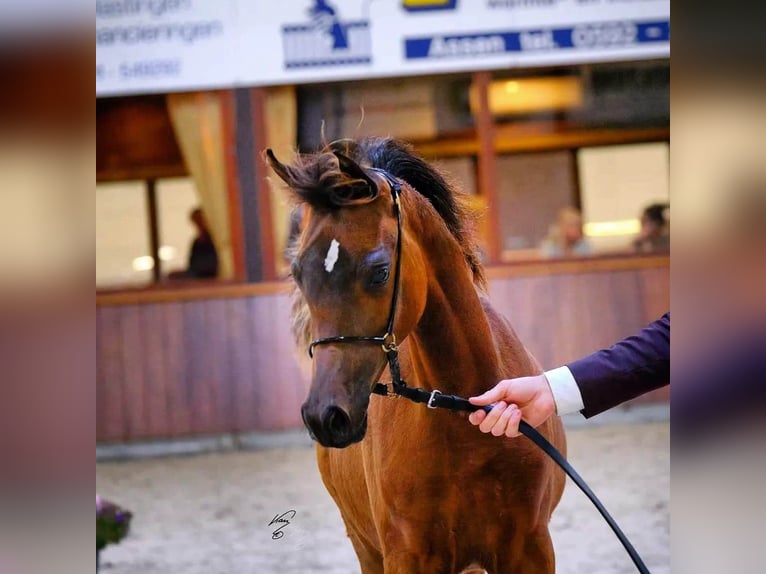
pixel 317 179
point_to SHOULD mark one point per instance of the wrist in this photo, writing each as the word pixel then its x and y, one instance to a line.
pixel 563 387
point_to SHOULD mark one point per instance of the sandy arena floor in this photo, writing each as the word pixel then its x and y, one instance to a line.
pixel 210 514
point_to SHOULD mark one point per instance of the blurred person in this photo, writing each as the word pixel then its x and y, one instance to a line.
pixel 565 237
pixel 591 385
pixel 655 233
pixel 203 257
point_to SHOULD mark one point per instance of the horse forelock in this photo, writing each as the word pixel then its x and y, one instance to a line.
pixel 317 179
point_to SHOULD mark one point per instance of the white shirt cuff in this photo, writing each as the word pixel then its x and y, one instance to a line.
pixel 565 391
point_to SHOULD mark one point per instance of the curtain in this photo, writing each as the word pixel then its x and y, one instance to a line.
pixel 281 122
pixel 198 123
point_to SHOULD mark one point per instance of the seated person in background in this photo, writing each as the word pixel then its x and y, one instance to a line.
pixel 565 237
pixel 654 235
pixel 203 258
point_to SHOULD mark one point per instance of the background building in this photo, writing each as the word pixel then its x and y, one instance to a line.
pixel 531 106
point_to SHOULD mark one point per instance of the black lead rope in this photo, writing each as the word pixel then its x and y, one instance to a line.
pixel 532 434
pixel 437 400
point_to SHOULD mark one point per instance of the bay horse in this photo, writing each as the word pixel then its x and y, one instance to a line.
pixel 419 490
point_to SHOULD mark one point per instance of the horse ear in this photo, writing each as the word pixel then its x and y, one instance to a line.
pixel 279 168
pixel 352 169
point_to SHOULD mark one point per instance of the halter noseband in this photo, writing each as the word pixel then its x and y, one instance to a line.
pixel 388 340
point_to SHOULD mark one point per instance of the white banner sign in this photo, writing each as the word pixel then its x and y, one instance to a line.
pixel 173 45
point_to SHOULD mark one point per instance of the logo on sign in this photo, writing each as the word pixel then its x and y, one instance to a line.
pixel 326 40
pixel 428 5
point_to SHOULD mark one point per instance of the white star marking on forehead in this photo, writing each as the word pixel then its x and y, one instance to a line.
pixel 332 256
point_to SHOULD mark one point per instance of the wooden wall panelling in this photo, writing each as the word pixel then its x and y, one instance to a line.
pixel 562 317
pixel 173 327
pixel 224 374
pixel 534 315
pixel 240 357
pixel 133 376
pixel 266 388
pixel 110 416
pixel 212 368
pixel 571 325
pixel 292 371
pixel 272 374
pixel 220 365
pixel 655 302
pixel 276 368
pixel 655 293
pixel 209 380
pixel 625 305
pixel 195 357
pixel 153 353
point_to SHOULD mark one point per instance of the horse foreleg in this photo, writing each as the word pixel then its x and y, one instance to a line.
pixel 370 559
pixel 537 556
pixel 416 563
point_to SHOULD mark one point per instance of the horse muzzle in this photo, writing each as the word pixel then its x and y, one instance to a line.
pixel 331 426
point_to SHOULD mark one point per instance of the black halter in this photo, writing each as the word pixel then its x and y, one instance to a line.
pixel 388 339
pixel 435 399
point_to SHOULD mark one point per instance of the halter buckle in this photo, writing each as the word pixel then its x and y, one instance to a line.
pixel 389 342
pixel 430 404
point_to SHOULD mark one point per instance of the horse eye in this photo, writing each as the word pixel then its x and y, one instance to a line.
pixel 379 275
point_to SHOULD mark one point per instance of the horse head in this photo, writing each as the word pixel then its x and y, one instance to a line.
pixel 345 268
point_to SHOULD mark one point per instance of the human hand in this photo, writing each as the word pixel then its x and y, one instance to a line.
pixel 529 398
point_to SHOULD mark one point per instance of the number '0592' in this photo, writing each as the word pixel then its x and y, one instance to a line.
pixel 601 35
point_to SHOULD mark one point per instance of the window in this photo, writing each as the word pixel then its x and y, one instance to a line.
pixel 124 255
pixel 533 188
pixel 462 171
pixel 176 198
pixel 122 235
pixel 616 184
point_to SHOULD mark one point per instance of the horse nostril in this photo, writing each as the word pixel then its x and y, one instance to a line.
pixel 307 422
pixel 335 421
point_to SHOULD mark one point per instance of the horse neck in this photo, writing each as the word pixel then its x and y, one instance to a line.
pixel 452 347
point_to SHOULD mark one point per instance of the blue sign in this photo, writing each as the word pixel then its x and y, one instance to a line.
pixel 326 40
pixel 598 36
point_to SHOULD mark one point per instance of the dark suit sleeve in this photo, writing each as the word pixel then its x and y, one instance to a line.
pixel 632 367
